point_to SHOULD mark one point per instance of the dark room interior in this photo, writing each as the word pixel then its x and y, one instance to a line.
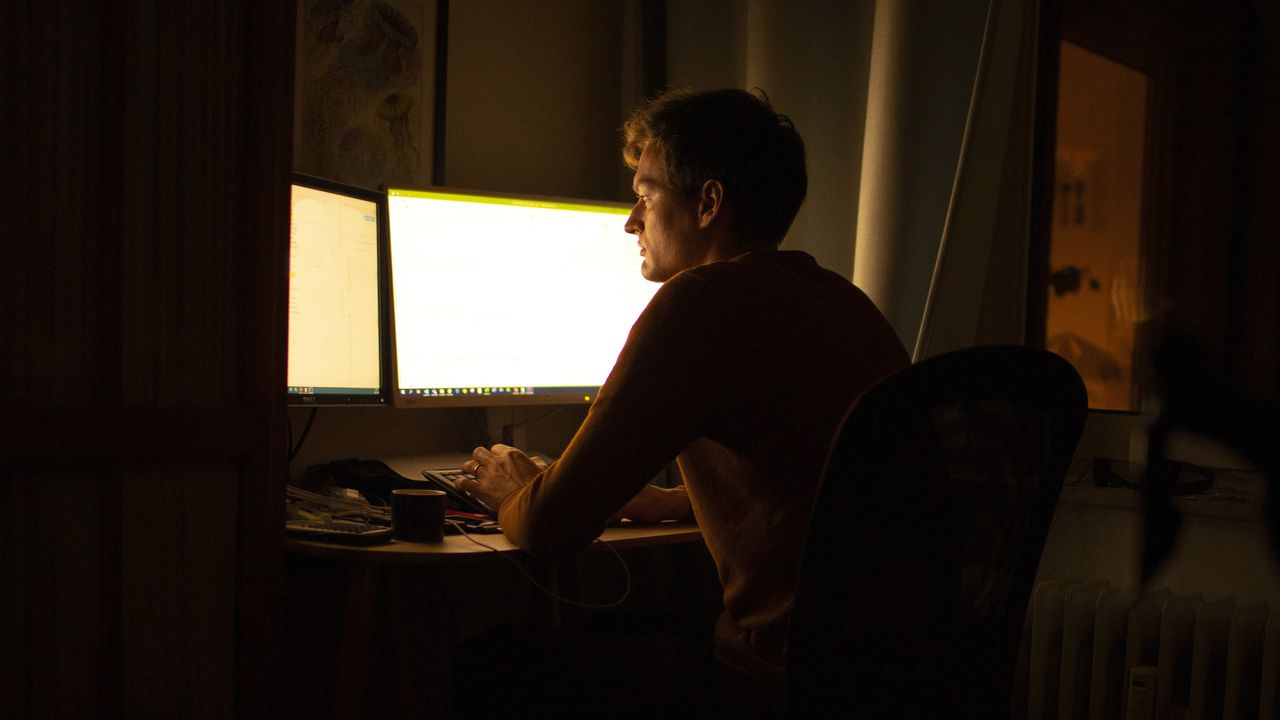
pixel 971 167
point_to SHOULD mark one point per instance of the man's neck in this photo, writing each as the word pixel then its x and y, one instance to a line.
pixel 725 243
pixel 728 251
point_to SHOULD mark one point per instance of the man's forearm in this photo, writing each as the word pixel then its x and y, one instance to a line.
pixel 655 504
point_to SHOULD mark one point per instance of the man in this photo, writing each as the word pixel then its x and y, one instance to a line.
pixel 741 368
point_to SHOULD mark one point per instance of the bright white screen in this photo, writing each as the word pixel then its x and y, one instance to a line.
pixel 333 295
pixel 505 297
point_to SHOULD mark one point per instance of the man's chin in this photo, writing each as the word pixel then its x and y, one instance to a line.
pixel 652 274
pixel 646 270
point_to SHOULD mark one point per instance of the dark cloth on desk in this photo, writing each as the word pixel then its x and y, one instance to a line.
pixel 743 369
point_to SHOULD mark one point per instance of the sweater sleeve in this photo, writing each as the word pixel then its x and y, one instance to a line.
pixel 662 394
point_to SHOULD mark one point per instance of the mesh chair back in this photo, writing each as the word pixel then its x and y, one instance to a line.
pixel 926 534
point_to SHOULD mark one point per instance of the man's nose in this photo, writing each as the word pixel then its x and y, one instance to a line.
pixel 633 221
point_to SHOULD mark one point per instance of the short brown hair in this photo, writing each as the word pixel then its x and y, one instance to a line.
pixel 733 136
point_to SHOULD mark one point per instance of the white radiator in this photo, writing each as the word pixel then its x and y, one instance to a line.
pixel 1093 651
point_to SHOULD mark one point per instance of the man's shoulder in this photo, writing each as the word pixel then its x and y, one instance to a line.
pixel 758 265
pixel 776 273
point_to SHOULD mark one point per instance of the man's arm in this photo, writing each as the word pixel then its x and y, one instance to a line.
pixel 663 393
pixel 506 469
pixel 655 504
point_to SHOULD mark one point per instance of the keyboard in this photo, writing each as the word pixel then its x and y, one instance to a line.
pixel 339 531
pixel 446 479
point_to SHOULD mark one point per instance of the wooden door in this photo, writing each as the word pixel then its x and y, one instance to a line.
pixel 147 149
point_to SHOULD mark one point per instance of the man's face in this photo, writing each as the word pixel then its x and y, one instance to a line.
pixel 664 222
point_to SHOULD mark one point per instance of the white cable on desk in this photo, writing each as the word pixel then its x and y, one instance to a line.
pixel 338 505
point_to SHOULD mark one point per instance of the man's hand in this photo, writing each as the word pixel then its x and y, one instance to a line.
pixel 499 471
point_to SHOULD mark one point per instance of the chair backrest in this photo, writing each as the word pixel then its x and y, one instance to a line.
pixel 926 534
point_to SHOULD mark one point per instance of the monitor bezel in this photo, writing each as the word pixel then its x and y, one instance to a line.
pixel 383 397
pixel 540 396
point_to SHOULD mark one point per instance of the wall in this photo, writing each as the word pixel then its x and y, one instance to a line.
pixel 1222 251
pixel 1223 548
pixel 534 97
pixel 811 59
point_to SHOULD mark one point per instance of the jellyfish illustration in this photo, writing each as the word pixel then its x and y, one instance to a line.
pixel 384 50
pixel 402 34
pixel 358 55
pixel 394 109
pixel 326 17
pixel 360 156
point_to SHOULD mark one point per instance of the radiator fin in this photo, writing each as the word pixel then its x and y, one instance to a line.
pixel 1195 659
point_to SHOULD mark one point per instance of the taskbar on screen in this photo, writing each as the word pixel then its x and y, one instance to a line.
pixel 586 393
pixel 465 391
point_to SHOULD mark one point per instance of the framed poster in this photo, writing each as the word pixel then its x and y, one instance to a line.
pixel 364 91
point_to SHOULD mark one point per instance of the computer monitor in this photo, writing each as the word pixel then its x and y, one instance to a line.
pixel 336 295
pixel 508 300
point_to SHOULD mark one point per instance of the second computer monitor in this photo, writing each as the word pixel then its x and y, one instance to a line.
pixel 508 300
pixel 335 295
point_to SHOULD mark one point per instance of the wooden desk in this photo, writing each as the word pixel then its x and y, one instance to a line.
pixel 372 572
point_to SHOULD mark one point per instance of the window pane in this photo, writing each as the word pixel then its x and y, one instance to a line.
pixel 1095 280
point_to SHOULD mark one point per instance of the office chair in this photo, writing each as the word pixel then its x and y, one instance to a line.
pixel 926 533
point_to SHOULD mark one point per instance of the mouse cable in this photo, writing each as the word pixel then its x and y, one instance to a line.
pixel 626 573
pixel 534 420
pixel 293 449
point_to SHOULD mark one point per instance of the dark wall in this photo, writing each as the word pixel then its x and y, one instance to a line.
pixel 1222 264
pixel 145 190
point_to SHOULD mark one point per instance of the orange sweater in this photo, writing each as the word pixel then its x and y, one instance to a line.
pixel 742 369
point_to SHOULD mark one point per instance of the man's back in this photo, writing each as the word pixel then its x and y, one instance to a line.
pixel 799 344
pixel 743 369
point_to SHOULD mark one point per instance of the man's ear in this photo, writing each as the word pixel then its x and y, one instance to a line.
pixel 711 206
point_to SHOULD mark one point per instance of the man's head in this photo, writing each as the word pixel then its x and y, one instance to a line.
pixel 734 138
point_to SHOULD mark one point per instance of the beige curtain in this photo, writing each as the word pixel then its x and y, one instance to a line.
pixel 943 209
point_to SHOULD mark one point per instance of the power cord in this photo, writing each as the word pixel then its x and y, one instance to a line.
pixel 535 420
pixel 626 573
pixel 293 449
pixel 508 428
